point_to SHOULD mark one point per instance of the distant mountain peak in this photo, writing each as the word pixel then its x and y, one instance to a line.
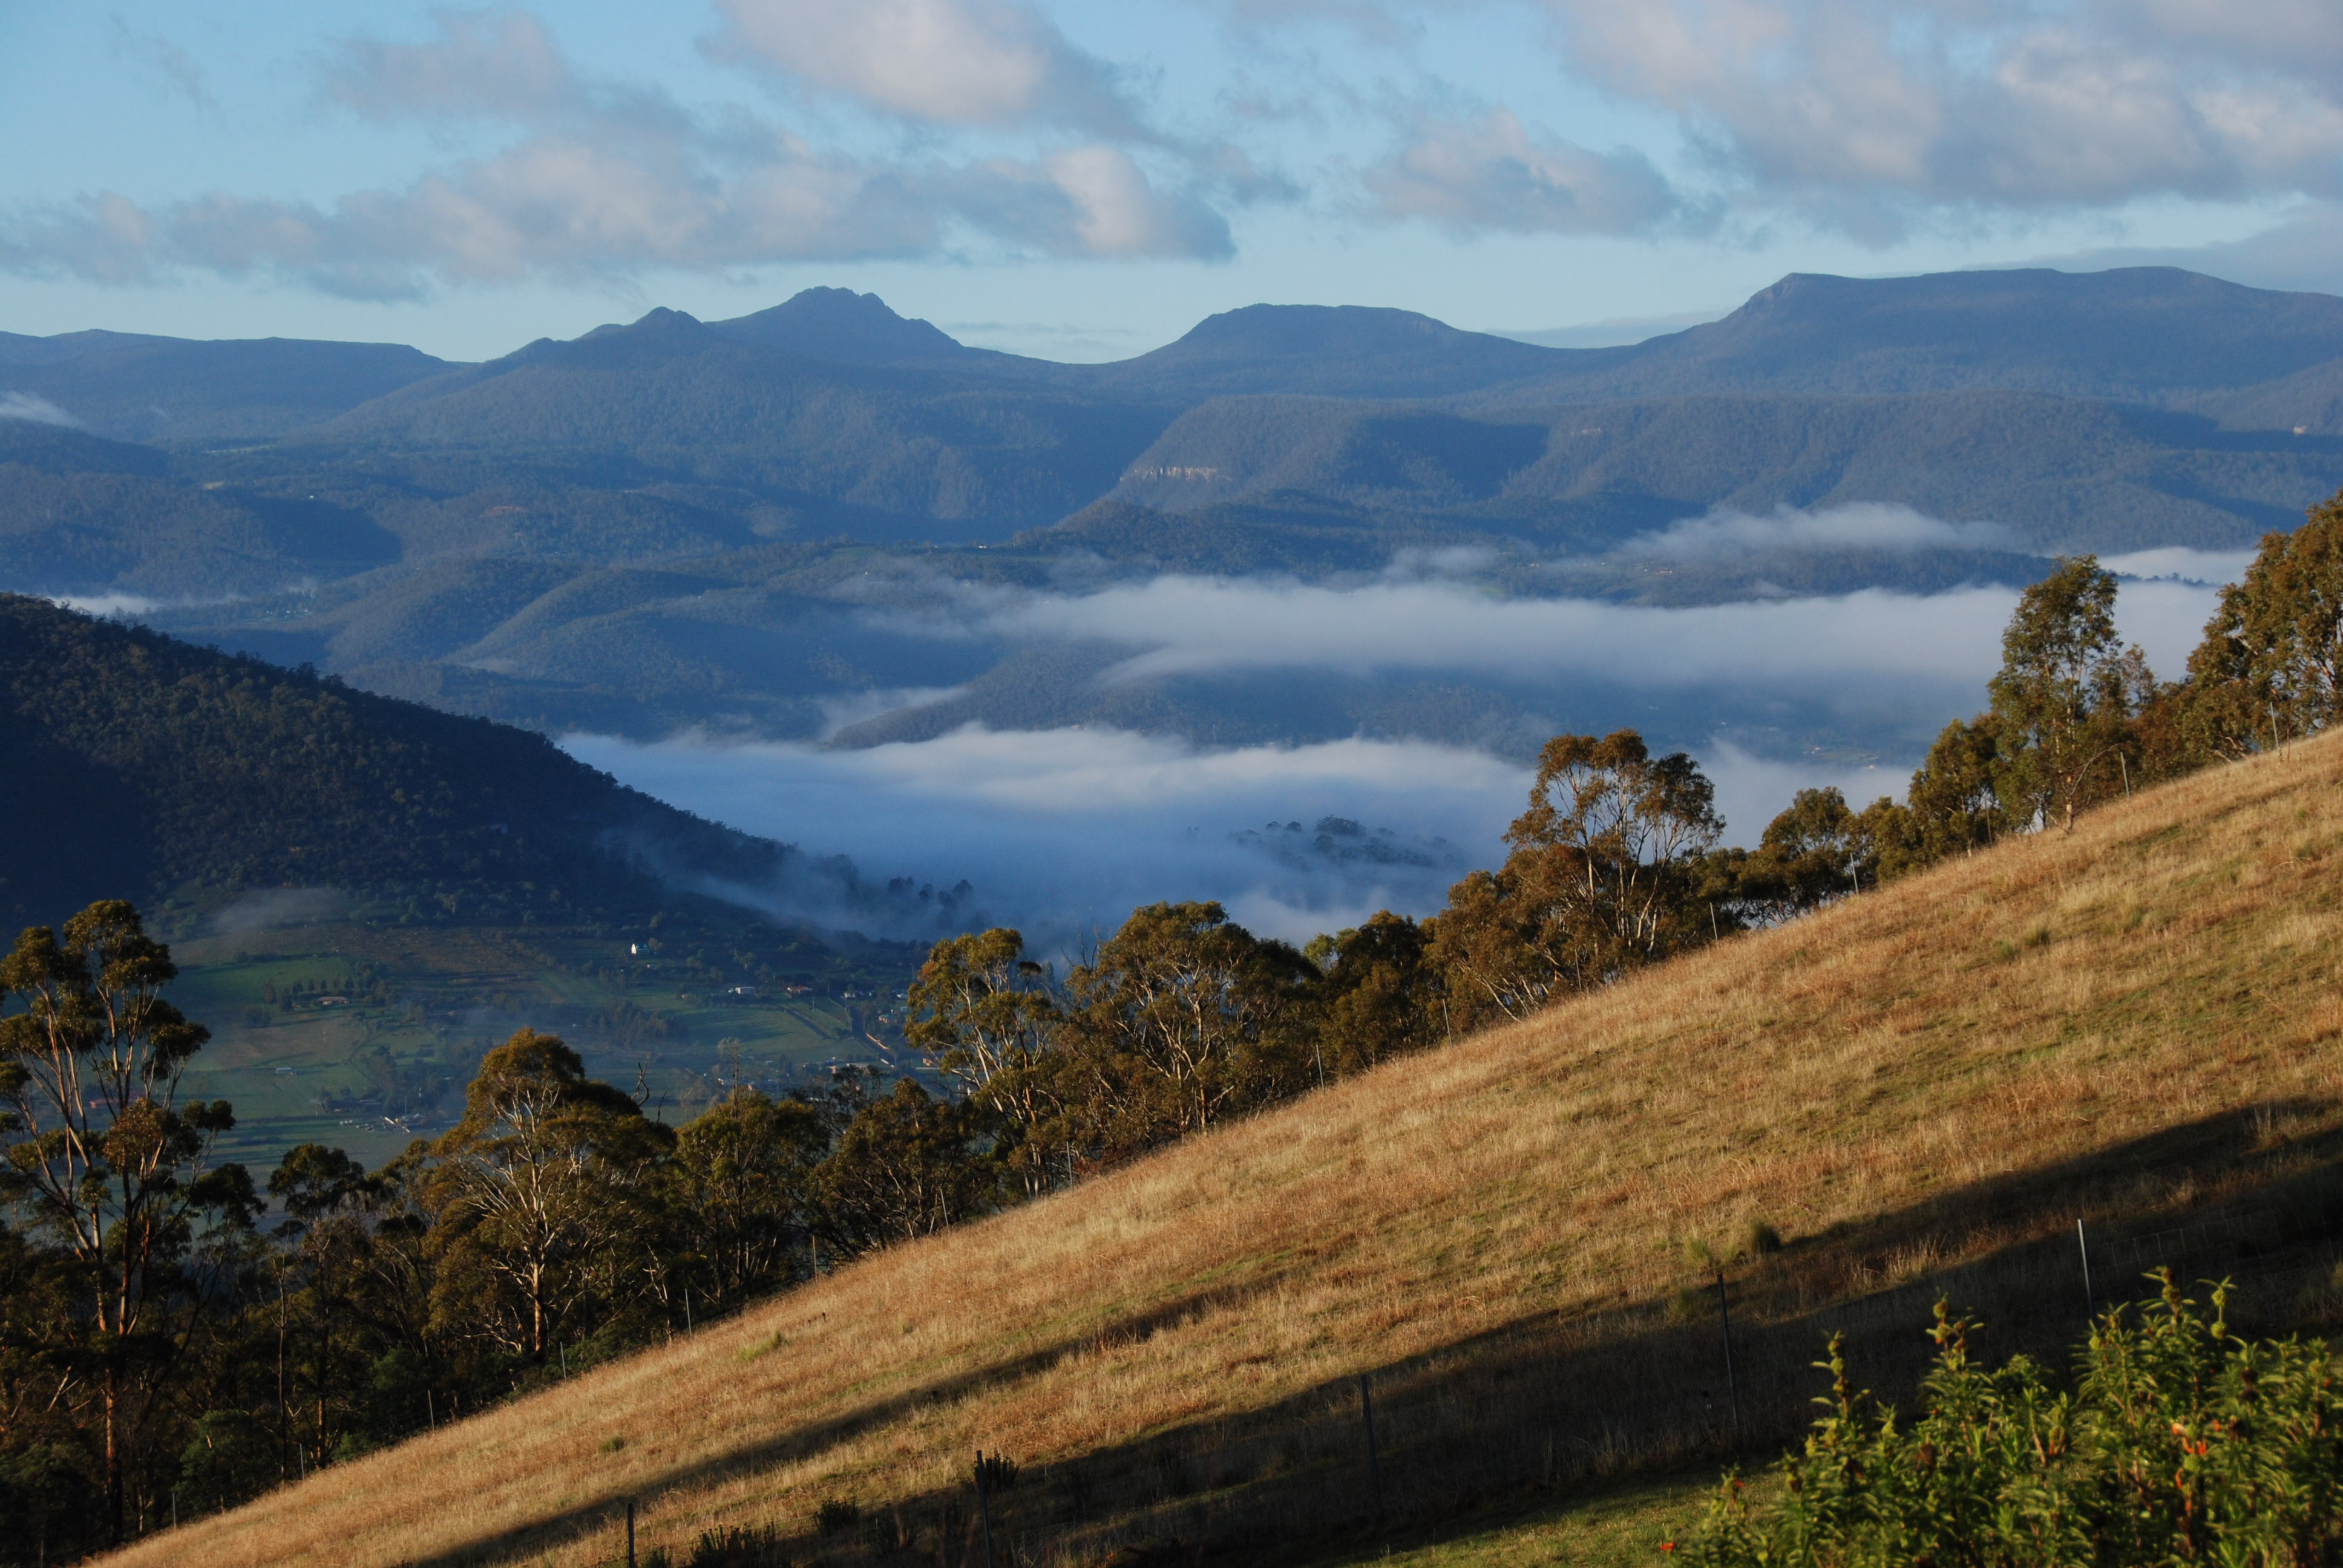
pixel 844 327
pixel 1334 350
pixel 658 319
pixel 1301 328
pixel 2135 332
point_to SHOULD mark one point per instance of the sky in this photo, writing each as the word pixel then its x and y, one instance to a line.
pixel 1085 179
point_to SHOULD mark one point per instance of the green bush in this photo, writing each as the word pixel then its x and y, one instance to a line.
pixel 2180 1444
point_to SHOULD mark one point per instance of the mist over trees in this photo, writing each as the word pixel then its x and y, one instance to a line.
pixel 168 1339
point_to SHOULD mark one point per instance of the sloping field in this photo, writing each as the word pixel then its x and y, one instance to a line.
pixel 2138 1025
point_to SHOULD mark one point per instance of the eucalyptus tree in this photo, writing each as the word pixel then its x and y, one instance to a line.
pixel 1604 877
pixel 744 1192
pixel 2065 696
pixel 106 1161
pixel 544 1196
pixel 1183 1018
pixel 2271 667
pixel 991 1017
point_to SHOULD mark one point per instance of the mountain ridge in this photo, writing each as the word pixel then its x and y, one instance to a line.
pixel 152 764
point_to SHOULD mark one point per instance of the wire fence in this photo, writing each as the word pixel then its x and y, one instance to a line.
pixel 1555 1405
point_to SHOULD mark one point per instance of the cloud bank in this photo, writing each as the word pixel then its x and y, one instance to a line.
pixel 1493 174
pixel 1864 115
pixel 958 129
pixel 1199 626
pixel 1726 534
pixel 598 178
pixel 1064 833
pixel 947 62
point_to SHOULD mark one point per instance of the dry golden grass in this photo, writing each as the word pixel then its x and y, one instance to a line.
pixel 1924 1086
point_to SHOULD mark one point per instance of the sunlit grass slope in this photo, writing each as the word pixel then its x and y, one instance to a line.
pixel 2138 1025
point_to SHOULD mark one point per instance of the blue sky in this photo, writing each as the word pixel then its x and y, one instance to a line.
pixel 1087 180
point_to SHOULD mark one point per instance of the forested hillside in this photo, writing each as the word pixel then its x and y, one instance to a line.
pixel 138 763
pixel 137 388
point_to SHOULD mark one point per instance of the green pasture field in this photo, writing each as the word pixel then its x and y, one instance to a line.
pixel 386 1024
pixel 1628 1523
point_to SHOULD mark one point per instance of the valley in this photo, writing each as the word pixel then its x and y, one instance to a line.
pixel 362 1037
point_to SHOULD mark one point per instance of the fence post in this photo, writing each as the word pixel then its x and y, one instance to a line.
pixel 630 1533
pixel 1374 1465
pixel 2090 1298
pixel 1725 1321
pixel 984 1508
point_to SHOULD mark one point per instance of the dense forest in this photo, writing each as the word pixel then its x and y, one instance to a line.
pixel 152 763
pixel 177 1335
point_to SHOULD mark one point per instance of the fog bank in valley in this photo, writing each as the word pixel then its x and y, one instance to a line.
pixel 1063 831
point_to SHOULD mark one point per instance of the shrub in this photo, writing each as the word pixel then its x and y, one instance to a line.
pixel 2180 1444
pixel 836 1515
pixel 742 1546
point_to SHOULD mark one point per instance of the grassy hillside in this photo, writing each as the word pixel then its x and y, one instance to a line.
pixel 1922 1090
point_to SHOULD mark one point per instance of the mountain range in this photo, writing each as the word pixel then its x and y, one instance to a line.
pixel 674 522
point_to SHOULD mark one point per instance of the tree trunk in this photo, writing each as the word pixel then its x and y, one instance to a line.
pixel 114 1488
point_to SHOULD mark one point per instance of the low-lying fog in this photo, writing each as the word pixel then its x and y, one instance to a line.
pixel 1063 831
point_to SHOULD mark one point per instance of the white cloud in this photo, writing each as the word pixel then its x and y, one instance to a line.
pixel 35 409
pixel 1495 174
pixel 2208 568
pixel 952 62
pixel 1191 626
pixel 1064 833
pixel 1752 791
pixel 602 179
pixel 1867 525
pixel 106 604
pixel 276 907
pixel 493 65
pixel 1868 652
pixel 1091 200
pixel 1861 113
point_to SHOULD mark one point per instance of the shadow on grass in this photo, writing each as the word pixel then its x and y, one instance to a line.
pixel 1543 1405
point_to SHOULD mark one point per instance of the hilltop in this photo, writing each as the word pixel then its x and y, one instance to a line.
pixel 142 765
pixel 1920 1089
